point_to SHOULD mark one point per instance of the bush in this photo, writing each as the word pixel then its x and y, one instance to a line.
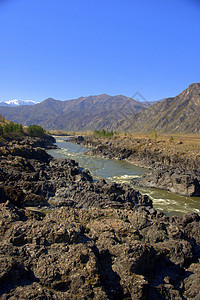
pixel 2 119
pixel 154 136
pixel 1 130
pixel 103 133
pixel 35 130
pixel 13 129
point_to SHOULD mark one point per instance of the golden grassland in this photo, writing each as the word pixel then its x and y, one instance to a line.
pixel 177 137
pixel 180 140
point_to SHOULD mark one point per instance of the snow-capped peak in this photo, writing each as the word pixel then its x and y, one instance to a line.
pixel 15 102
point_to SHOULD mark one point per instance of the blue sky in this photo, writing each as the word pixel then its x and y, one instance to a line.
pixel 67 49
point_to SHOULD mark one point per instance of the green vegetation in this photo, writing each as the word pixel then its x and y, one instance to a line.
pixel 35 130
pixel 12 129
pixel 103 133
pixel 1 130
pixel 154 136
pixel 2 119
pixel 171 139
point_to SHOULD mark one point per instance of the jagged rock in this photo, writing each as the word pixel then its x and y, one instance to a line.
pixel 192 282
pixel 43 180
pixel 175 181
pixel 97 253
pixel 169 170
pixel 108 243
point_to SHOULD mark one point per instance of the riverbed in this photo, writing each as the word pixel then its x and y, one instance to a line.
pixel 121 171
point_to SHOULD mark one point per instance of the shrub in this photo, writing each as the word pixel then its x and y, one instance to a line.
pixel 154 136
pixel 103 133
pixel 1 130
pixel 13 129
pixel 35 130
pixel 2 118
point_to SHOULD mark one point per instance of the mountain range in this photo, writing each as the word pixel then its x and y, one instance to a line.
pixel 93 112
pixel 120 113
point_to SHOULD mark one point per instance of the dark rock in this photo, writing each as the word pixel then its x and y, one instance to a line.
pixel 98 253
pixel 192 282
pixel 175 181
pixel 107 243
pixel 169 171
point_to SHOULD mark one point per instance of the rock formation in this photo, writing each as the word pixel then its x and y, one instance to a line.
pixel 64 236
pixel 174 171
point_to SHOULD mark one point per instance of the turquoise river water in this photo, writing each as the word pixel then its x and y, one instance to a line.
pixel 121 171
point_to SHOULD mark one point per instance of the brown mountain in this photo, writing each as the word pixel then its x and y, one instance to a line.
pixel 177 114
pixel 93 112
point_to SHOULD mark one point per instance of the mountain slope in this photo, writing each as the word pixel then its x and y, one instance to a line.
pixel 178 114
pixel 93 112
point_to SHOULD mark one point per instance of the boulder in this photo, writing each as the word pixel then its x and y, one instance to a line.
pixel 174 180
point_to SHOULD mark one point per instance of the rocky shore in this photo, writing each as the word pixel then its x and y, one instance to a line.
pixel 172 168
pixel 64 236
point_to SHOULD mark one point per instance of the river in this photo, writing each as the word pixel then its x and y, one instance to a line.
pixel 121 171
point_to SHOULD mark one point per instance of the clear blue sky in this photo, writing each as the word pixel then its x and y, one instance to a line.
pixel 67 49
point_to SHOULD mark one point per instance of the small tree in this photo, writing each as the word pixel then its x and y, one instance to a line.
pixel 2 118
pixel 19 128
pixel 13 129
pixel 1 130
pixel 103 133
pixel 9 128
pixel 35 130
pixel 154 136
pixel 96 133
pixel 171 139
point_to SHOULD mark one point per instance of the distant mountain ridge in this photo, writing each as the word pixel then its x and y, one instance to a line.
pixel 120 113
pixel 93 112
pixel 16 102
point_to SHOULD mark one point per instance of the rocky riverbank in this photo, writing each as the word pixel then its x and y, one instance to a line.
pixel 64 236
pixel 172 166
